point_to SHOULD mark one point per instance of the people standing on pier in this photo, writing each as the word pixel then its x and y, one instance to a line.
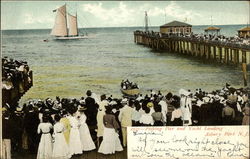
pixel 86 140
pixel 45 145
pixel 125 117
pixel 60 146
pixel 111 142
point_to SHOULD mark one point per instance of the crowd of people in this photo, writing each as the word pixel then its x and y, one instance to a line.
pixel 66 127
pixel 14 71
pixel 16 79
pixel 126 84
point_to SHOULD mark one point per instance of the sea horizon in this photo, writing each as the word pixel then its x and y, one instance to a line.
pixel 122 27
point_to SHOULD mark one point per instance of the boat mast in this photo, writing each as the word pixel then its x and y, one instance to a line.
pixel 77 25
pixel 146 21
pixel 66 19
pixel 248 13
pixel 211 21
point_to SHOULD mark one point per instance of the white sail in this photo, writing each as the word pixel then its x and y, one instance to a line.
pixel 72 21
pixel 60 26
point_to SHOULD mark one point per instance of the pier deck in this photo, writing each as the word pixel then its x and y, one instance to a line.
pixel 219 51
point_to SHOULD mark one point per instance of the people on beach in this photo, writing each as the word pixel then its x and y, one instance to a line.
pixel 75 145
pixel 60 146
pixel 45 144
pixel 86 140
pixel 111 142
pixel 226 106
pixel 125 117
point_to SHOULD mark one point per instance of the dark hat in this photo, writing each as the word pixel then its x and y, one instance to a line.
pixel 88 93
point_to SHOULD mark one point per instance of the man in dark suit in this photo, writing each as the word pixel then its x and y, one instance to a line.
pixel 91 113
pixel 31 122
pixel 91 110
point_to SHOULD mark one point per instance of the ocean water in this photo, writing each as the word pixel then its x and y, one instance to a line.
pixel 99 63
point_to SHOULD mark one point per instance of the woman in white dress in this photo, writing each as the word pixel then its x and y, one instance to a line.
pixel 86 140
pixel 45 145
pixel 111 142
pixel 60 147
pixel 99 117
pixel 75 145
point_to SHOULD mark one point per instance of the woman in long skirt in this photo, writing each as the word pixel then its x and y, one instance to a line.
pixel 111 142
pixel 60 148
pixel 65 121
pixel 45 145
pixel 75 145
pixel 86 140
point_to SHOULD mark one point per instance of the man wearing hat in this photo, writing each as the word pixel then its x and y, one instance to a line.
pixel 228 113
pixel 6 135
pixel 91 113
pixel 17 119
pixel 125 117
pixel 217 107
pixel 31 122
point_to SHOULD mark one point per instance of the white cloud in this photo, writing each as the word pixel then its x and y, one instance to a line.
pixel 174 11
pixel 123 15
pixel 31 19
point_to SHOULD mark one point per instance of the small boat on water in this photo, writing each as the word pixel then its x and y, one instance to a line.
pixel 129 89
pixel 65 27
pixel 130 92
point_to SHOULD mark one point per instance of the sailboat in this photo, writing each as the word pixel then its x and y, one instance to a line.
pixel 65 27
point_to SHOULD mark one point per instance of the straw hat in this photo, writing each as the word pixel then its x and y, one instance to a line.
pixel 18 110
pixel 150 104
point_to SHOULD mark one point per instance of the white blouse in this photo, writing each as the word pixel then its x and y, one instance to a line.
pixel 146 119
pixel 44 128
pixel 177 113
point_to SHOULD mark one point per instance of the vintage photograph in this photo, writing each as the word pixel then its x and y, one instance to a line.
pixel 86 79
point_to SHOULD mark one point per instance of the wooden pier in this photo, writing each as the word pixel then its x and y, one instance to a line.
pixel 222 52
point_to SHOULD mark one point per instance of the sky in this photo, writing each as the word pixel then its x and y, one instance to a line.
pixel 92 14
